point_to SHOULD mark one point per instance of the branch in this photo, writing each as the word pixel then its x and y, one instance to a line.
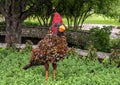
pixel 21 4
pixel 32 9
pixel 2 8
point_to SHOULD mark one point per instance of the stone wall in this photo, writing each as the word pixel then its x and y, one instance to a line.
pixel 38 32
pixel 77 38
pixel 74 38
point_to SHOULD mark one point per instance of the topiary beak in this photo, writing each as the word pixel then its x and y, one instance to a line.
pixel 62 28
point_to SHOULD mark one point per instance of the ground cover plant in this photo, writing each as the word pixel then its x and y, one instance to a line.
pixel 71 71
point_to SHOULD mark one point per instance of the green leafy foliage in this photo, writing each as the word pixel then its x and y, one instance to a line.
pixel 91 56
pixel 30 23
pixel 28 45
pixel 115 56
pixel 71 71
pixel 115 43
pixel 100 37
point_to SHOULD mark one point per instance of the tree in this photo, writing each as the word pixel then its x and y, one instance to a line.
pixel 116 11
pixel 109 8
pixel 44 13
pixel 77 11
pixel 15 12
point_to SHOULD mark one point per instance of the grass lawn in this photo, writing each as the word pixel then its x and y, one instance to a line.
pixel 71 71
pixel 94 19
pixel 97 19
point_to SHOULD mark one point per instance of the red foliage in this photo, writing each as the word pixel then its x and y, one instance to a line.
pixel 56 19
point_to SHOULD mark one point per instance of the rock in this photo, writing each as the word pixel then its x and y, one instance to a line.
pixel 100 55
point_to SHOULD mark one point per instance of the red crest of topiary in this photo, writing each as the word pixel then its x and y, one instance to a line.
pixel 57 19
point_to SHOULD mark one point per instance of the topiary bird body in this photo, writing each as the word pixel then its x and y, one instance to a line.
pixel 52 48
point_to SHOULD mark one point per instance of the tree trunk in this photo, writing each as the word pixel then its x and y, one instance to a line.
pixel 119 19
pixel 13 31
pixel 15 12
pixel 13 22
pixel 75 23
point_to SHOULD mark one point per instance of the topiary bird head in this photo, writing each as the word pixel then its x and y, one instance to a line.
pixel 57 25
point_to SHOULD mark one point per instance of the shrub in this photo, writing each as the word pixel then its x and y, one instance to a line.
pixel 92 53
pixel 100 38
pixel 32 24
pixel 28 45
pixel 115 43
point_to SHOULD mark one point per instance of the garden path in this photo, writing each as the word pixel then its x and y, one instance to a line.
pixel 79 51
pixel 115 33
